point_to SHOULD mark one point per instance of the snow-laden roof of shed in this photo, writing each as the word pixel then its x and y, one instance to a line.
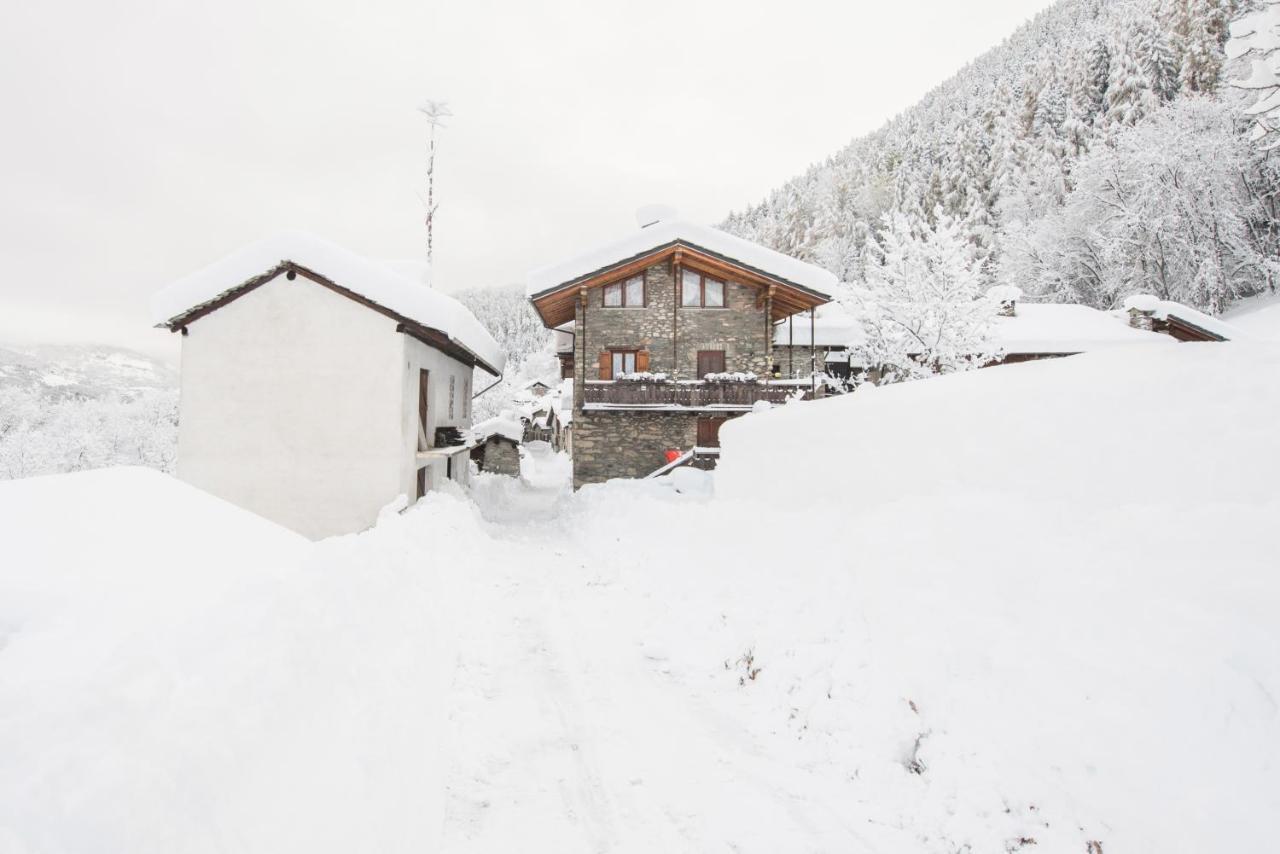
pixel 667 232
pixel 1163 309
pixel 504 425
pixel 377 282
pixel 1065 328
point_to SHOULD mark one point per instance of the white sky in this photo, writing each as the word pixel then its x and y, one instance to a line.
pixel 143 140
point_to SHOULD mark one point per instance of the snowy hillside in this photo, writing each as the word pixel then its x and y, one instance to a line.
pixel 66 408
pixel 507 314
pixel 1099 152
pixel 1048 626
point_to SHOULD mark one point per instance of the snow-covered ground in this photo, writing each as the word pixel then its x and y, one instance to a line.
pixel 1259 316
pixel 1029 606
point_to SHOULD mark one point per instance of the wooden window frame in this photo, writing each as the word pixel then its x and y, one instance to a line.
pixel 698 362
pixel 635 360
pixel 702 290
pixel 643 276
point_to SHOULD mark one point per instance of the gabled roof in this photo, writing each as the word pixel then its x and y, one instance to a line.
pixel 1182 321
pixel 1064 328
pixel 424 313
pixel 503 426
pixel 802 285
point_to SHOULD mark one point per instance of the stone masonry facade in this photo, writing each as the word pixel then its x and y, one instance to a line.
pixel 627 444
pixel 631 443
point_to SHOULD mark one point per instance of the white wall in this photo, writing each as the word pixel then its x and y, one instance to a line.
pixel 300 405
pixel 418 356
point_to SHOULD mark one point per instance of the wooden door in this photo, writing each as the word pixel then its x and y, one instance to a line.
pixel 709 432
pixel 710 362
pixel 424 438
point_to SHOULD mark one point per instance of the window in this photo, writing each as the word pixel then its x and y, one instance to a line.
pixel 453 382
pixel 466 398
pixel 627 294
pixel 624 361
pixel 710 362
pixel 699 291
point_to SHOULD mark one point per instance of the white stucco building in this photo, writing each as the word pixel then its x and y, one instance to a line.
pixel 315 383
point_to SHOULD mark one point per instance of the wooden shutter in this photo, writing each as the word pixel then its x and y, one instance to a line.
pixel 642 361
pixel 710 362
pixel 606 365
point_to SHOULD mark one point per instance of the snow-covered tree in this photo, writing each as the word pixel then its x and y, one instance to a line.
pixel 999 145
pixel 1255 37
pixel 923 309
pixel 1165 209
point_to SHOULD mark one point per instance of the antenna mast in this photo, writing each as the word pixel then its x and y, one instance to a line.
pixel 436 112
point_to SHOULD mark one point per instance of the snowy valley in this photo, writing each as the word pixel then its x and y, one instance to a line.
pixel 927 505
pixel 69 408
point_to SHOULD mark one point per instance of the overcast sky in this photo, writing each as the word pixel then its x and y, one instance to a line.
pixel 143 140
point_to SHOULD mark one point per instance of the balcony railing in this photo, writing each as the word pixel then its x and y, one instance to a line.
pixel 630 394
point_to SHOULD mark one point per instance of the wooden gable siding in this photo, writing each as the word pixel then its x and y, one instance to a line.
pixel 556 305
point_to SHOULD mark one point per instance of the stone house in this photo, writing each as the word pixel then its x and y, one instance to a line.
pixel 672 333
pixel 317 386
pixel 497 445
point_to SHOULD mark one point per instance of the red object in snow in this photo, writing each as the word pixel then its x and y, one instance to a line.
pixel 672 454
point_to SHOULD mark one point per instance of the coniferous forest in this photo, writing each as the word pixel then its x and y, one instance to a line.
pixel 1101 151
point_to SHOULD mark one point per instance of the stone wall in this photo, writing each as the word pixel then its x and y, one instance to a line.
pixel 627 444
pixel 784 356
pixel 631 443
pixel 673 336
pixel 499 456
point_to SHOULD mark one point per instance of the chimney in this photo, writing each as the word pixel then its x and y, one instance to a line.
pixel 653 214
pixel 1141 309
pixel 1007 296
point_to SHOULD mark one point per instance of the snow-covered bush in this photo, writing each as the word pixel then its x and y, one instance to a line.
pixel 731 377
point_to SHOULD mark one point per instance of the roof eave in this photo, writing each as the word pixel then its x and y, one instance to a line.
pixel 674 244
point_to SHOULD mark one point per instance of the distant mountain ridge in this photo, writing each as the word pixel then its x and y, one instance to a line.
pixel 58 371
pixel 1005 145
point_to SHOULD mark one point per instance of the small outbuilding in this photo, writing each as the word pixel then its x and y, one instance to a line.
pixel 497 445
pixel 318 385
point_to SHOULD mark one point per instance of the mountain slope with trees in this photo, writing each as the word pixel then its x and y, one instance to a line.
pixel 1100 151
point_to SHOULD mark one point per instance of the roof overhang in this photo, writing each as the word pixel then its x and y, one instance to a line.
pixel 427 335
pixel 556 305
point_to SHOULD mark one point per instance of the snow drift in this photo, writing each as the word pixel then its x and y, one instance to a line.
pixel 1031 607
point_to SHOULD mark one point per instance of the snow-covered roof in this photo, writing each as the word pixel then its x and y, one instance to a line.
pixel 506 427
pixel 1165 309
pixel 1064 328
pixel 1258 317
pixel 832 328
pixel 376 281
pixel 665 233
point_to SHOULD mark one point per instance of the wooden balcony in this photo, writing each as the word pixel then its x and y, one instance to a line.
pixel 693 396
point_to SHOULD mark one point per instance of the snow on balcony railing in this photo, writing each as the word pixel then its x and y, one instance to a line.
pixel 606 394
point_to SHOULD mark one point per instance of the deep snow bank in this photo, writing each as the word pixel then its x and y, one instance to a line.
pixel 961 615
pixel 1184 425
pixel 179 675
